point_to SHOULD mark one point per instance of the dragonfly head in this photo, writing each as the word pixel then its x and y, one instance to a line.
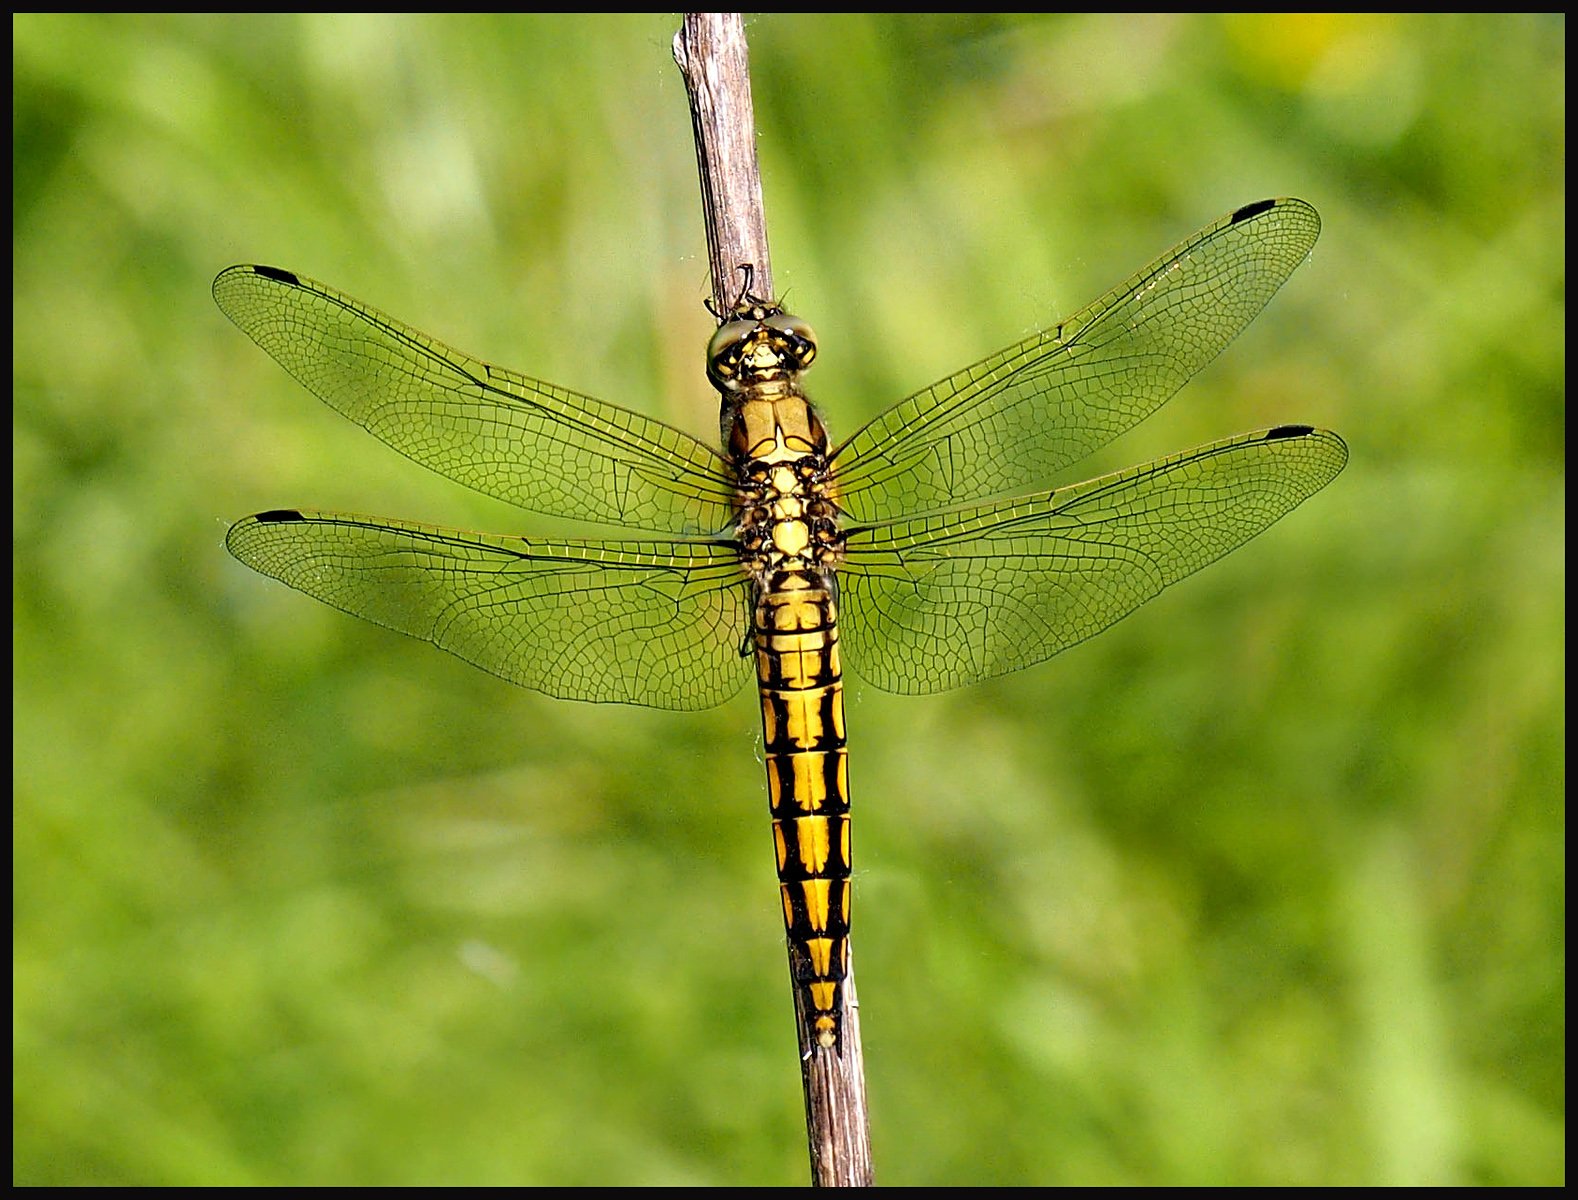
pixel 761 344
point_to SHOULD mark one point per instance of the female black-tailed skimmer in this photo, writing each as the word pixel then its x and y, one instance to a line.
pixel 918 547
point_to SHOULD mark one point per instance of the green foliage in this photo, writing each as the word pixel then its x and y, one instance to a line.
pixel 1263 886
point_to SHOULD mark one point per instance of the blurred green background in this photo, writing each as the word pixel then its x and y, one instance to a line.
pixel 1263 886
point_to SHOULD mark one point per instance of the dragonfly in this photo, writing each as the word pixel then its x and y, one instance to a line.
pixel 926 547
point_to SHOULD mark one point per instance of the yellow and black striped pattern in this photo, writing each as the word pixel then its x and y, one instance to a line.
pixel 790 544
pixel 802 694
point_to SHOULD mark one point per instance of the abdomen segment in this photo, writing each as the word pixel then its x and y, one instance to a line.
pixel 802 694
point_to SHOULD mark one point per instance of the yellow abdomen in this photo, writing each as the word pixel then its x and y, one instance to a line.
pixel 802 691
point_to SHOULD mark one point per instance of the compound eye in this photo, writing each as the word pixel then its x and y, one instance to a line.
pixel 797 336
pixel 726 339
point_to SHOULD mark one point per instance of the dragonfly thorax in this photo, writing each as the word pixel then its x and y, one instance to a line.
pixel 787 516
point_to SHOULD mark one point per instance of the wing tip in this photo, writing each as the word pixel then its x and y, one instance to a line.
pixel 1252 210
pixel 1288 431
pixel 278 275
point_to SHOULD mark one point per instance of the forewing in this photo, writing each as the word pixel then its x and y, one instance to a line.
pixel 518 439
pixel 962 595
pixel 1013 420
pixel 640 622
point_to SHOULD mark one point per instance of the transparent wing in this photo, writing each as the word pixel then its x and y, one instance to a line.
pixel 531 443
pixel 961 595
pixel 640 622
pixel 1011 421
